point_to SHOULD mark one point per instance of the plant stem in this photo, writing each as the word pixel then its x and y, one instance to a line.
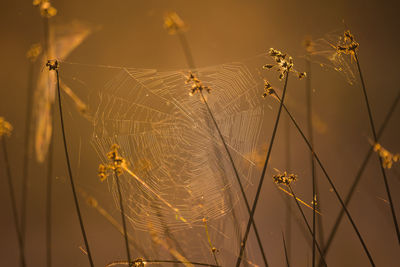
pixel 239 182
pixel 359 174
pixel 371 121
pixel 243 243
pixel 311 138
pixel 191 66
pixel 308 225
pixel 121 205
pixel 70 173
pixel 286 253
pixel 13 202
pixel 49 182
pixel 331 184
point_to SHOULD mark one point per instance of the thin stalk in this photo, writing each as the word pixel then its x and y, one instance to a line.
pixel 244 241
pixel 371 121
pixel 191 65
pixel 286 252
pixel 121 205
pixel 311 138
pixel 307 224
pixel 360 173
pixel 288 214
pixel 239 182
pixel 13 202
pixel 331 184
pixel 70 173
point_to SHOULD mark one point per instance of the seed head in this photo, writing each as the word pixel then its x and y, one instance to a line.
pixel 197 85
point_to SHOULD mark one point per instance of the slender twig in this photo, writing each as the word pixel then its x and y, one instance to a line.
pixel 371 121
pixel 330 182
pixel 70 171
pixel 360 173
pixel 286 252
pixel 121 205
pixel 244 240
pixel 13 202
pixel 311 138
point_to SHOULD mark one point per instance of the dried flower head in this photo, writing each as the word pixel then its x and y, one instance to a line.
pixel 52 64
pixel 284 178
pixel 5 127
pixel 173 23
pixel 139 262
pixel 33 52
pixel 115 166
pixel 46 9
pixel 387 158
pixel 347 44
pixel 284 64
pixel 268 90
pixel 197 85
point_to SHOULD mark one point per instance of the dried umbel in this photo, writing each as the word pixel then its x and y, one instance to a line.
pixel 347 44
pixel 34 51
pixel 284 178
pixel 173 23
pixel 387 158
pixel 115 165
pixel 284 64
pixel 5 127
pixel 197 85
pixel 52 64
pixel 46 9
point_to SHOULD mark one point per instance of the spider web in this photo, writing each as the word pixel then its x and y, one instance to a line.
pixel 323 53
pixel 178 173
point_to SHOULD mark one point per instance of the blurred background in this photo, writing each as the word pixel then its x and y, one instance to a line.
pixel 131 34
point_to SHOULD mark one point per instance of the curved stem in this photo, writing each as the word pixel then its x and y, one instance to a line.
pixel 78 211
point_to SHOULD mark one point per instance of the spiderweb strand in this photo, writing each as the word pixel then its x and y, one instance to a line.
pixel 70 173
pixel 331 183
pixel 371 121
pixel 359 174
pixel 13 202
pixel 244 241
